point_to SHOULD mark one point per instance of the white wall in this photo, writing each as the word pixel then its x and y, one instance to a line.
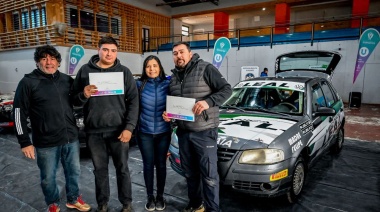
pixel 262 56
pixel 23 61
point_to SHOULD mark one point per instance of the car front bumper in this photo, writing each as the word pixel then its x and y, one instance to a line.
pixel 257 180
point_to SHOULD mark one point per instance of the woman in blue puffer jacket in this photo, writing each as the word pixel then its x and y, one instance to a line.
pixel 152 131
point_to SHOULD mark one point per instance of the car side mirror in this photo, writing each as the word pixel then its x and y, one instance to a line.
pixel 324 111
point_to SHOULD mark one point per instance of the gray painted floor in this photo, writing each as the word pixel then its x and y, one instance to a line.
pixel 348 182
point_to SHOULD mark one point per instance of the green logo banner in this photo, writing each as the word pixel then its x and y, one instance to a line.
pixel 221 47
pixel 76 53
pixel 368 42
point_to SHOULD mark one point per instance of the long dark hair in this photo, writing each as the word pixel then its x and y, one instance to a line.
pixel 144 76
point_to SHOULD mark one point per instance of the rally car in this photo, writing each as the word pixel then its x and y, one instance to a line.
pixel 6 106
pixel 273 129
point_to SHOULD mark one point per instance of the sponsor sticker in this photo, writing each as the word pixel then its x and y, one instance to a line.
pixel 279 175
pixel 306 127
pixel 296 146
pixel 294 139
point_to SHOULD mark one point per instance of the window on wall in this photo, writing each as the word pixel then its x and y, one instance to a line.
pixel 43 16
pixel 73 18
pixel 16 21
pixel 102 23
pixel 185 30
pixel 145 39
pixel 25 19
pixel 29 18
pixel 87 21
pixel 115 26
pixel 35 18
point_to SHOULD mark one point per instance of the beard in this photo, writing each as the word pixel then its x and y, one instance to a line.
pixel 180 64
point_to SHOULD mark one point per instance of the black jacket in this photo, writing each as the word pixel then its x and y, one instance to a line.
pixel 45 98
pixel 113 113
pixel 202 81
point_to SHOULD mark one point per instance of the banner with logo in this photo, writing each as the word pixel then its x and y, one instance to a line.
pixel 221 47
pixel 368 42
pixel 249 72
pixel 76 53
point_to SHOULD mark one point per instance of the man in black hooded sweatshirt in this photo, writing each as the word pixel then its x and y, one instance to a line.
pixel 109 122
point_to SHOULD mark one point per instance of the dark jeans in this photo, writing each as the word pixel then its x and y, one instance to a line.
pixel 198 151
pixel 154 149
pixel 100 144
pixel 48 161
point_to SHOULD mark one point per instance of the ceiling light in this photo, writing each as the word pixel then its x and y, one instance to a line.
pixel 263 8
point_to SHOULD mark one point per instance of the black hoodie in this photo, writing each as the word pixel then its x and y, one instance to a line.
pixel 113 113
pixel 45 98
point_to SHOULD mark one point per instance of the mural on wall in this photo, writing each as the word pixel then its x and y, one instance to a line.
pixel 75 55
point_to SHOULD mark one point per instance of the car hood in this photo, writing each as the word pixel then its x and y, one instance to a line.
pixel 307 64
pixel 241 131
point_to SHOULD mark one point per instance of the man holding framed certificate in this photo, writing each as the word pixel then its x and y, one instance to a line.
pixel 196 79
pixel 108 93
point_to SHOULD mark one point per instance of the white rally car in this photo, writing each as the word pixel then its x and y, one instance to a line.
pixel 272 130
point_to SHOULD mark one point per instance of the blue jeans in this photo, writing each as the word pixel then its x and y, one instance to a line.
pixel 198 151
pixel 154 149
pixel 48 161
pixel 100 144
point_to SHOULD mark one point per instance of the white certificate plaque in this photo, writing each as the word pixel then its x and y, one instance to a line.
pixel 180 108
pixel 108 83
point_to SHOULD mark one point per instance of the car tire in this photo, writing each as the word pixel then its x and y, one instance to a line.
pixel 298 180
pixel 338 145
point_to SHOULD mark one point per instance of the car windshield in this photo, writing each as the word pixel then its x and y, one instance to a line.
pixel 269 97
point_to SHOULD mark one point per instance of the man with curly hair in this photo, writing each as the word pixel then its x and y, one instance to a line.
pixel 44 96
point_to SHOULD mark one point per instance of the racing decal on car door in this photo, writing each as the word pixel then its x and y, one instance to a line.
pixel 296 86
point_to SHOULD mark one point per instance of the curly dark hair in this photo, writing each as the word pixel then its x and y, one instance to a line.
pixel 144 76
pixel 107 40
pixel 43 51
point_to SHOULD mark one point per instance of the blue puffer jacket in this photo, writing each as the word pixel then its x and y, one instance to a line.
pixel 152 105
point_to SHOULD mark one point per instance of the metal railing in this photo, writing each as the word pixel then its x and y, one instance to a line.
pixel 271 35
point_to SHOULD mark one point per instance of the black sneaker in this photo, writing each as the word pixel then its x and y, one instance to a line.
pixel 189 208
pixel 150 205
pixel 160 203
pixel 127 208
pixel 102 208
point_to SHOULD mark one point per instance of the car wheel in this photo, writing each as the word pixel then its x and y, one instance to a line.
pixel 338 145
pixel 298 180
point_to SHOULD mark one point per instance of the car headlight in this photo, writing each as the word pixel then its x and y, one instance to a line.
pixel 174 140
pixel 262 156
